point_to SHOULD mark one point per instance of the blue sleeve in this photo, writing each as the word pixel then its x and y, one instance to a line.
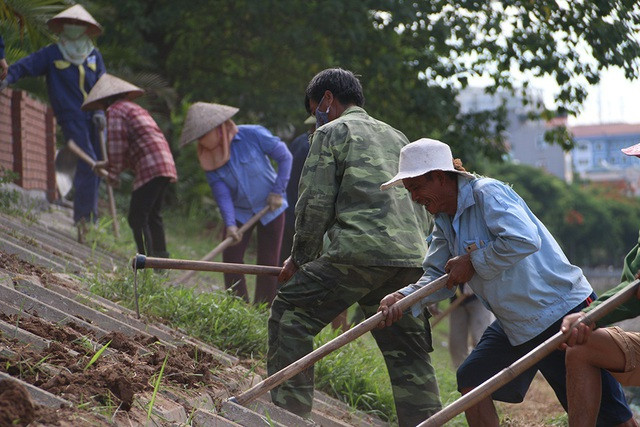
pixel 437 256
pixel 273 146
pixel 1 48
pixel 225 203
pixel 36 64
pixel 284 159
pixel 507 219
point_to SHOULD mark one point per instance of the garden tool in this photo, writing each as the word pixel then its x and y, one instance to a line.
pixel 229 241
pixel 142 261
pixel 437 319
pixel 103 174
pixel 65 166
pixel 353 333
pixel 112 200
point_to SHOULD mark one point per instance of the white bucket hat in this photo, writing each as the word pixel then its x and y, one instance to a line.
pixel 106 86
pixel 422 156
pixel 74 15
pixel 634 150
pixel 202 117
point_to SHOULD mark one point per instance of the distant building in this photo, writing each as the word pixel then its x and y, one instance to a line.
pixel 524 137
pixel 597 156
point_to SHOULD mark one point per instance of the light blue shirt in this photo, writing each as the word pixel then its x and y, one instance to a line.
pixel 241 185
pixel 522 275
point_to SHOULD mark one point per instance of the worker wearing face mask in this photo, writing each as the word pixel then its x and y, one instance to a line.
pixel 71 67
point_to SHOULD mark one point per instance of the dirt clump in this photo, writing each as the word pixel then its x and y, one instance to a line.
pixel 14 265
pixel 16 407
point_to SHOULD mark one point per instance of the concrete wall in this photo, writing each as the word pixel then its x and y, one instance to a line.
pixel 27 141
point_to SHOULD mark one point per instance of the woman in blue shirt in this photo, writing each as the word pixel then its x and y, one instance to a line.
pixel 236 160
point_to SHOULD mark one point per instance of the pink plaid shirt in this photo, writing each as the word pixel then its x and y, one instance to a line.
pixel 137 143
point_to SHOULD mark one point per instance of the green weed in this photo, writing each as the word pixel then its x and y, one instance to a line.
pixel 156 386
pixel 97 356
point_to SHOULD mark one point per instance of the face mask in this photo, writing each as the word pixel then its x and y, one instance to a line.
pixel 322 117
pixel 72 32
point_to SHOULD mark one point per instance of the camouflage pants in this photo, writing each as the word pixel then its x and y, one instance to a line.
pixel 320 291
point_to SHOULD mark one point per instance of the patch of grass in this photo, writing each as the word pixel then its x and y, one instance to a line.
pixel 559 421
pixel 356 374
pixel 218 318
pixel 11 202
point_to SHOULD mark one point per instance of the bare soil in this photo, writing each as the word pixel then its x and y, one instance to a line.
pixel 539 409
pixel 127 368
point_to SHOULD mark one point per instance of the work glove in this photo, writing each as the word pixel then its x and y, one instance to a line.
pixel 274 201
pixel 233 232
pixel 3 85
pixel 99 121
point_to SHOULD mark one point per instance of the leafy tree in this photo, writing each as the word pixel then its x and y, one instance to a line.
pixel 412 56
pixel 25 21
pixel 24 30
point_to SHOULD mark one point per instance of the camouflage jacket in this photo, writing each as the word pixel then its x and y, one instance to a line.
pixel 630 308
pixel 340 195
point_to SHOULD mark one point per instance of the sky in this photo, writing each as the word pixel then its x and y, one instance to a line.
pixel 614 100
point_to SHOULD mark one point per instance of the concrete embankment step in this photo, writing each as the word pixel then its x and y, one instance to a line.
pixel 205 418
pixel 39 396
pixel 58 242
pixel 35 238
pixel 52 246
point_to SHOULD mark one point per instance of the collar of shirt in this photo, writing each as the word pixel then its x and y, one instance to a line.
pixel 354 109
pixel 465 200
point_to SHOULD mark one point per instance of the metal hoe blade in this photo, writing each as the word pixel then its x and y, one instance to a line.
pixel 65 165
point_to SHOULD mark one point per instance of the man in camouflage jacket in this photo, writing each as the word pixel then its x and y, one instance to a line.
pixel 377 242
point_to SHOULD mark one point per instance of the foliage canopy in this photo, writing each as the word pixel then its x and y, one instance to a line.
pixel 412 57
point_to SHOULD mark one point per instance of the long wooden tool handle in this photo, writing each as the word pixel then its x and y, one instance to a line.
pixel 142 261
pixel 525 362
pixel 452 306
pixel 84 156
pixel 353 333
pixel 225 243
pixel 112 200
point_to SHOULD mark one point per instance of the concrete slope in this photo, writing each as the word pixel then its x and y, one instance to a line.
pixel 84 358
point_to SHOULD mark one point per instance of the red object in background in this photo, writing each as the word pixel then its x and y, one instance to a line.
pixel 574 217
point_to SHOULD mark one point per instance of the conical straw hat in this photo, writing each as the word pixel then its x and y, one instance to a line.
pixel 106 86
pixel 202 117
pixel 74 15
